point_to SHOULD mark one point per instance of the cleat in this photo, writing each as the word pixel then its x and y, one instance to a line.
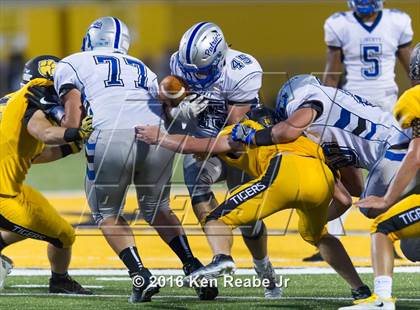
pixel 6 266
pixel 314 258
pixel 67 285
pixel 203 292
pixel 372 302
pixel 272 291
pixel 361 293
pixel 143 289
pixel 220 265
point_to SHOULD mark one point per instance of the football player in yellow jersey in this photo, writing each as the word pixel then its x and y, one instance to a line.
pixel 26 127
pixel 284 174
pixel 400 219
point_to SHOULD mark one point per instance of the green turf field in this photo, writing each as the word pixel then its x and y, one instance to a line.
pixel 303 292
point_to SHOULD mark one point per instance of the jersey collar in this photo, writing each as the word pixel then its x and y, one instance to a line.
pixel 367 27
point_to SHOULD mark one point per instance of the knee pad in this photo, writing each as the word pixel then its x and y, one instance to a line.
pixel 411 248
pixel 253 231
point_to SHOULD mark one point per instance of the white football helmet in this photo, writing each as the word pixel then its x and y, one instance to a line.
pixel 201 55
pixel 107 33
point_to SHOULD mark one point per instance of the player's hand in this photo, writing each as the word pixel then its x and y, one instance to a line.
pixel 148 134
pixel 373 202
pixel 76 146
pixel 86 129
pixel 189 108
pixel 243 133
pixel 42 97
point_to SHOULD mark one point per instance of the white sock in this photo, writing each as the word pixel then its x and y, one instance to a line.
pixel 383 286
pixel 261 263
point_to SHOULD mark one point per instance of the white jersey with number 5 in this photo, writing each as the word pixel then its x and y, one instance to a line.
pixel 239 82
pixel 350 130
pixel 369 51
pixel 117 89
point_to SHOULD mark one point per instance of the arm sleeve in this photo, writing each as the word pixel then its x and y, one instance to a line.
pixel 406 31
pixel 66 78
pixel 246 90
pixel 30 110
pixel 331 36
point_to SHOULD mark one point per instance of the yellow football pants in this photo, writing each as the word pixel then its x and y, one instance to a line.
pixel 29 214
pixel 302 183
pixel 401 220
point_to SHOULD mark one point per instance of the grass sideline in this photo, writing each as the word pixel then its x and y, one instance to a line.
pixel 304 291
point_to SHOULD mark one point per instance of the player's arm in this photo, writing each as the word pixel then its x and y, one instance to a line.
pixel 41 128
pixel 52 153
pixel 403 55
pixel 342 201
pixel 185 144
pixel 236 111
pixel 333 66
pixel 73 108
pixel 406 173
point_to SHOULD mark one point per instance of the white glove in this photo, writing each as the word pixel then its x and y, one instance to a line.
pixel 189 108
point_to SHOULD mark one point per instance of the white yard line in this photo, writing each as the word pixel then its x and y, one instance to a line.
pixel 45 285
pixel 177 297
pixel 280 271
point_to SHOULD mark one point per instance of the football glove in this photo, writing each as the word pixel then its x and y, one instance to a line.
pixel 243 133
pixel 42 97
pixel 86 128
pixel 189 108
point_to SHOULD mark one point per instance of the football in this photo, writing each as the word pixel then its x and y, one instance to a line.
pixel 172 90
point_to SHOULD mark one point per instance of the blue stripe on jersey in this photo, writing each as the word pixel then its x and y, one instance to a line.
pixel 371 132
pixel 394 156
pixel 90 146
pixel 90 174
pixel 344 119
pixel 190 41
pixel 118 32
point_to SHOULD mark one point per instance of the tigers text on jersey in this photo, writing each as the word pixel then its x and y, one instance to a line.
pixel 117 89
pixel 240 81
pixel 350 130
pixel 369 50
pixel 17 147
pixel 254 160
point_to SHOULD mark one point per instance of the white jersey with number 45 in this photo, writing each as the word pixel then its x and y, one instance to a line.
pixel 369 51
pixel 117 89
pixel 239 82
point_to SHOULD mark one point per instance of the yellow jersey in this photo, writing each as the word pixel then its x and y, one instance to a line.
pixel 254 160
pixel 407 108
pixel 17 147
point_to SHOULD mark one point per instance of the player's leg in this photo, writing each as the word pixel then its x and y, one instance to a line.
pixel 250 202
pixel 110 164
pixel 31 215
pixel 6 264
pixel 152 179
pixel 394 224
pixel 255 239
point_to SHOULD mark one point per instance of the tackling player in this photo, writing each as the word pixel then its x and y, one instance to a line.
pixel 399 220
pixel 367 41
pixel 119 92
pixel 25 129
pixel 227 83
pixel 284 177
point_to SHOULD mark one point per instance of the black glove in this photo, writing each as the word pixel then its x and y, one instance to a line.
pixel 45 98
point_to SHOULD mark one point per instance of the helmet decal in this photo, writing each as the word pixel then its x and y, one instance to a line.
pixel 46 67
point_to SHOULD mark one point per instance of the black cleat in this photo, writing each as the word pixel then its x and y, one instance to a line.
pixel 66 285
pixel 204 292
pixel 362 292
pixel 314 258
pixel 143 289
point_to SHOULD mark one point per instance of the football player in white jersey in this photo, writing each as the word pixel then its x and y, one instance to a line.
pixel 352 132
pixel 367 40
pixel 119 92
pixel 226 83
